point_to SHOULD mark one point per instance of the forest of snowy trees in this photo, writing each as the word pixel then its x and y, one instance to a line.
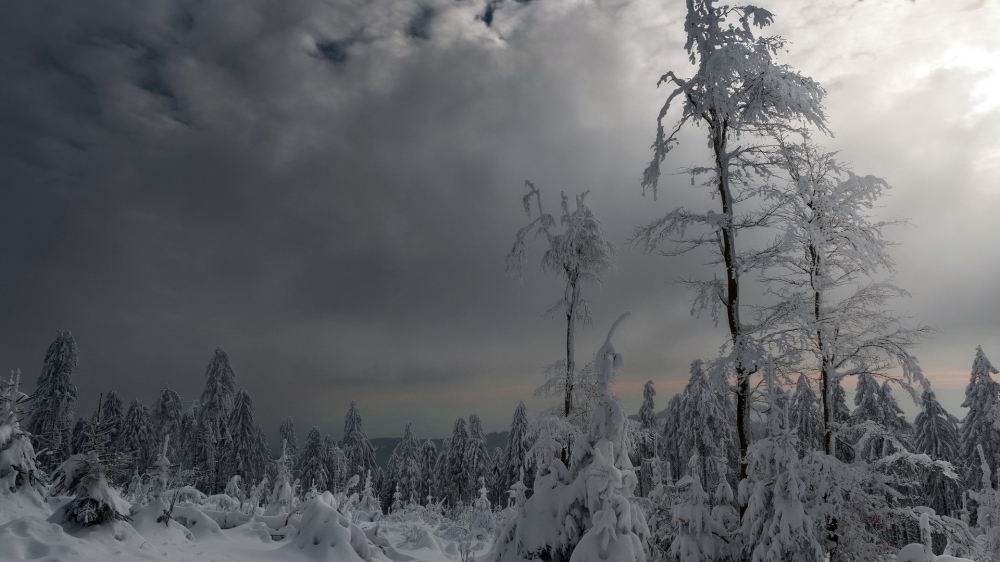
pixel 789 445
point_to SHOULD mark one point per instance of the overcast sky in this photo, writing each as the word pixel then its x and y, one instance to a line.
pixel 327 189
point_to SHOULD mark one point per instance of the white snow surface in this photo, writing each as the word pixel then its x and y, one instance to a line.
pixel 315 530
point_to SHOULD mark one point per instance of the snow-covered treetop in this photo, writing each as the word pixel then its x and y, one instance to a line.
pixel 220 388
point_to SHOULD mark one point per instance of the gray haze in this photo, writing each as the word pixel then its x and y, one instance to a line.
pixel 327 189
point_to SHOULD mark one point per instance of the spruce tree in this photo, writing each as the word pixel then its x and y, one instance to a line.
pixel 455 484
pixel 404 472
pixel 18 466
pixel 515 455
pixel 166 417
pixel 806 417
pixel 215 408
pixel 477 456
pixel 981 425
pixel 428 471
pixel 248 456
pixel 314 467
pixel 112 415
pixel 707 428
pixel 54 402
pixel 647 448
pixel 357 448
pixel 135 438
pixel 670 439
pixel 336 464
pixel 287 433
pixel 936 435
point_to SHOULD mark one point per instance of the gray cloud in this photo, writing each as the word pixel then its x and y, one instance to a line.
pixel 328 189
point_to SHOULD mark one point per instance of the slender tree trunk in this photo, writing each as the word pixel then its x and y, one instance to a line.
pixel 727 242
pixel 574 294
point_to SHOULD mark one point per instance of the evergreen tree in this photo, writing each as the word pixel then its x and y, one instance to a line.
pixel 135 438
pixel 455 486
pixel 981 425
pixel 166 417
pixel 18 468
pixel 248 456
pixel 515 455
pixel 477 456
pixel 214 410
pixel 357 448
pixel 314 467
pixel 82 436
pixel 54 402
pixel 112 415
pixel 670 440
pixel 878 422
pixel 188 435
pixel 404 473
pixel 806 417
pixel 707 428
pixel 336 465
pixel 428 471
pixel 282 495
pixel 936 435
pixel 647 447
pixel 287 433
pixel 697 538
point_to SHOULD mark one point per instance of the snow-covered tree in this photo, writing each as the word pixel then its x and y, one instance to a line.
pixel 707 427
pixel 477 456
pixel 825 275
pixel 670 451
pixel 287 434
pixel 166 418
pixel 313 470
pixel 136 438
pixel 580 254
pixel 282 495
pixel 647 446
pixel 18 469
pixel 515 455
pixel 455 486
pixel 697 536
pixel 776 527
pixel 737 90
pixel 248 455
pixel 159 473
pixel 981 425
pixel 357 448
pixel 112 415
pixel 215 408
pixel 82 436
pixel 54 402
pixel 806 417
pixel 336 464
pixel 404 469
pixel 878 420
pixel 587 511
pixel 94 500
pixel 936 435
pixel 428 471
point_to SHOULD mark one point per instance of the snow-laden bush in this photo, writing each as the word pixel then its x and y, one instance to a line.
pixel 326 534
pixel 94 500
pixel 18 472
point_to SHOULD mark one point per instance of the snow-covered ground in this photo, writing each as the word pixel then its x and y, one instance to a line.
pixel 315 532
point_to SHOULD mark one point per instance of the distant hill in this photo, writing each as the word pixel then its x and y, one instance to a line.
pixel 384 446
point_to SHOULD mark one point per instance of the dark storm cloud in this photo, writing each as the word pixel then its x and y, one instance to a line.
pixel 327 190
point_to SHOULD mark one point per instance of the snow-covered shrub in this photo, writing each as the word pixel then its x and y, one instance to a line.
pixel 326 534
pixel 94 500
pixel 18 471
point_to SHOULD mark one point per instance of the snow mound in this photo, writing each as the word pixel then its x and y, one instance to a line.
pixel 149 522
pixel 915 553
pixel 326 534
pixel 23 503
pixel 201 526
pixel 33 539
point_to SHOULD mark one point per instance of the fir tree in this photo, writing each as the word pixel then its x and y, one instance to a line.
pixel 54 402
pixel 981 425
pixel 248 456
pixel 314 467
pixel 670 439
pixel 215 408
pixel 647 447
pixel 404 473
pixel 82 436
pixel 336 464
pixel 455 486
pixel 477 457
pixel 806 417
pixel 166 418
pixel 707 427
pixel 287 433
pixel 18 467
pixel 112 415
pixel 136 437
pixel 357 448
pixel 515 455
pixel 697 538
pixel 936 435
pixel 428 471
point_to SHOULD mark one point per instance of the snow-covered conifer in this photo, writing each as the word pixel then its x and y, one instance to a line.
pixel 287 433
pixel 135 438
pixel 357 448
pixel 404 466
pixel 670 439
pixel 936 435
pixel 112 415
pixel 428 470
pixel 806 417
pixel 313 472
pixel 166 418
pixel 648 444
pixel 336 465
pixel 477 457
pixel 697 536
pixel 879 420
pixel 94 500
pixel 54 403
pixel 215 408
pixel 981 425
pixel 282 495
pixel 159 474
pixel 707 427
pixel 515 455
pixel 455 486
pixel 82 436
pixel 581 253
pixel 18 469
pixel 248 455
